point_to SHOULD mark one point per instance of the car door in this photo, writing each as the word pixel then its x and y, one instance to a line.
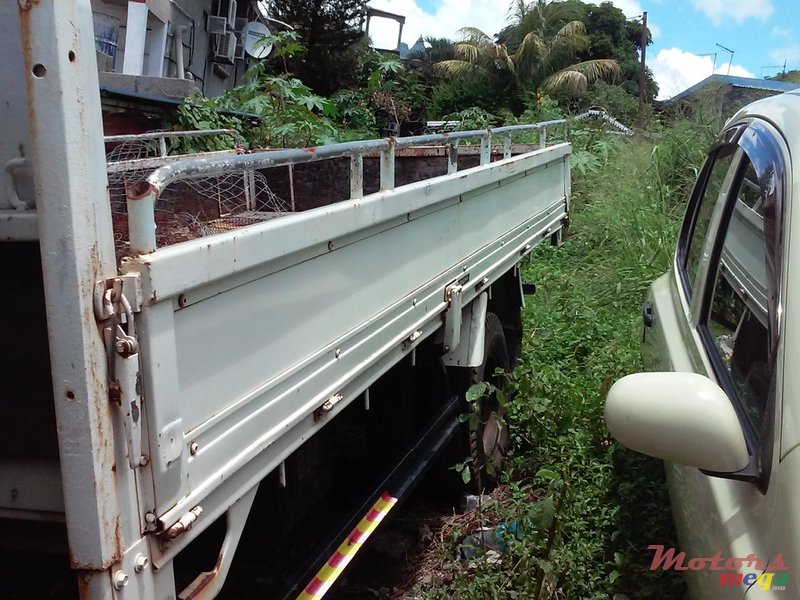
pixel 717 313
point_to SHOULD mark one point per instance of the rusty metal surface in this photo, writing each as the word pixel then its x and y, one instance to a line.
pixel 162 135
pixel 141 208
pixel 267 159
pixel 68 161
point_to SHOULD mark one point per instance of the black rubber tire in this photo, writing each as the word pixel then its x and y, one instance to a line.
pixel 489 440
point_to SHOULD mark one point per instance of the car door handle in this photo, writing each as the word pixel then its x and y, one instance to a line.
pixel 648 316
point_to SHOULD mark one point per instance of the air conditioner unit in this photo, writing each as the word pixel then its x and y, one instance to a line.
pixel 216 25
pixel 239 54
pixel 227 9
pixel 224 48
pixel 239 31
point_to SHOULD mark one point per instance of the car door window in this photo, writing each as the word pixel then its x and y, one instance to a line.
pixel 740 324
pixel 703 208
pixel 738 319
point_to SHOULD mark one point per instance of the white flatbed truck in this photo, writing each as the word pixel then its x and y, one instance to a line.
pixel 143 402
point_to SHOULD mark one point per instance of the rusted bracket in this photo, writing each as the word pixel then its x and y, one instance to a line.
pixel 116 301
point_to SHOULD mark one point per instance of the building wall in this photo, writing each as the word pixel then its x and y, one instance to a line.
pixel 210 78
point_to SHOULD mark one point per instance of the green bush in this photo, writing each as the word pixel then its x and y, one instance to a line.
pixel 455 95
pixel 617 102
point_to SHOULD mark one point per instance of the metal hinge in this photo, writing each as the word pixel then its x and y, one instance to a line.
pixel 452 319
pixel 116 301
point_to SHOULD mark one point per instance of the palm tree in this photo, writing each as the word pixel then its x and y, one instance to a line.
pixel 537 48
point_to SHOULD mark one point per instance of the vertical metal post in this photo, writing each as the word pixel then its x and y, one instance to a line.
pixel 507 146
pixel 249 184
pixel 486 148
pixel 162 145
pixel 141 217
pixel 642 71
pixel 77 248
pixel 452 157
pixel 356 176
pixel 291 186
pixel 543 137
pixel 387 167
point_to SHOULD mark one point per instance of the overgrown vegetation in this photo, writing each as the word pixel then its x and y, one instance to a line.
pixel 324 83
pixel 578 511
pixel 584 508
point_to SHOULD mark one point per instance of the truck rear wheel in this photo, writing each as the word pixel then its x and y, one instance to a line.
pixel 489 440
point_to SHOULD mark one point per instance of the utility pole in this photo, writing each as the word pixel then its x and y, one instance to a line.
pixel 642 71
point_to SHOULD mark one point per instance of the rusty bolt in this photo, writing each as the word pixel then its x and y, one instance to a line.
pixel 127 346
pixel 143 461
pixel 120 580
pixel 140 563
pixel 193 448
pixel 182 300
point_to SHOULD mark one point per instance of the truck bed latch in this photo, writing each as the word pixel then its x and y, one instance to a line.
pixel 116 301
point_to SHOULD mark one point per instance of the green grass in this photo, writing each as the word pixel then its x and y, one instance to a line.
pixel 582 333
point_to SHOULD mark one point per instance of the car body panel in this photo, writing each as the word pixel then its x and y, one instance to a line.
pixel 714 514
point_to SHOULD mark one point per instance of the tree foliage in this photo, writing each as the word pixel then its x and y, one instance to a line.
pixel 537 51
pixel 331 33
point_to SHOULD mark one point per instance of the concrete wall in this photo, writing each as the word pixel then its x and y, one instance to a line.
pixel 210 78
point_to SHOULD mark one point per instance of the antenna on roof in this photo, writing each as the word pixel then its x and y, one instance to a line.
pixel 782 67
pixel 730 62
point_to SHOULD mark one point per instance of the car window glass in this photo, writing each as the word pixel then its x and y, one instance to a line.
pixel 705 209
pixel 738 320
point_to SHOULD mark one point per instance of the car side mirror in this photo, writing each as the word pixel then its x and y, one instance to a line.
pixel 683 418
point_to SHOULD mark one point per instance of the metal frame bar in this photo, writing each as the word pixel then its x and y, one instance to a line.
pixel 142 198
pixel 77 251
pixel 162 136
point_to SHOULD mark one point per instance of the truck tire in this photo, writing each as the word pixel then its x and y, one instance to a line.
pixel 489 440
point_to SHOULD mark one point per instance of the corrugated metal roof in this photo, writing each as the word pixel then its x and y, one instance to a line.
pixel 741 82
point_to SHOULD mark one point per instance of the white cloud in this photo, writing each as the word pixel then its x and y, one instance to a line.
pixel 721 11
pixel 655 30
pixel 790 54
pixel 450 15
pixel 778 31
pixel 631 8
pixel 675 70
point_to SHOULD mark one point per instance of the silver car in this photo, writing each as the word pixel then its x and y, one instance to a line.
pixel 719 401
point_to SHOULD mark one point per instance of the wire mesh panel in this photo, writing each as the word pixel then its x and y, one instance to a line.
pixel 193 207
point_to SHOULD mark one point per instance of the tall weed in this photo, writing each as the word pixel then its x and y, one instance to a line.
pixel 582 333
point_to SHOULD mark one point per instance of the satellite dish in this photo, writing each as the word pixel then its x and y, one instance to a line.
pixel 254 33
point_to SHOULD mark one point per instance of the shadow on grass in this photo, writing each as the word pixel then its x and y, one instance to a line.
pixel 639 489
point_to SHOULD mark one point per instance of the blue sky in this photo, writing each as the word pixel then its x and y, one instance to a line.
pixel 762 33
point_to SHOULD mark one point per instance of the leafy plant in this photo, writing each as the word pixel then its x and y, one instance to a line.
pixel 288 112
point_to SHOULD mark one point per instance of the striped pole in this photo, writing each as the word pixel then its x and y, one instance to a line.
pixel 328 574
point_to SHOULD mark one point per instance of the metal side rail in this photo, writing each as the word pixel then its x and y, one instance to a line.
pixel 143 195
pixel 327 565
